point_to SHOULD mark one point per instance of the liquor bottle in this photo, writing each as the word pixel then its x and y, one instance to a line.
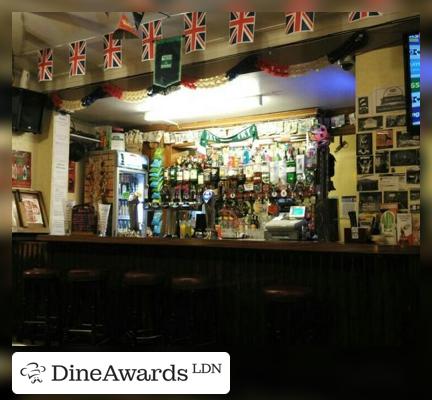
pixel 186 172
pixel 179 173
pixel 194 173
pixel 167 175
pixel 173 174
pixel 200 172
pixel 291 169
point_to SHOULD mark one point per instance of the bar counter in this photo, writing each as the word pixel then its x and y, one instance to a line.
pixel 368 294
pixel 291 246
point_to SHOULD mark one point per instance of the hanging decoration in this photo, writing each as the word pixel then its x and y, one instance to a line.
pixel 112 52
pixel 355 16
pixel 241 27
pixel 195 31
pixel 300 21
pixel 77 58
pixel 152 31
pixel 45 65
pixel 250 132
pixel 125 30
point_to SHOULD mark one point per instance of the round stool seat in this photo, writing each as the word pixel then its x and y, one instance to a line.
pixel 84 275
pixel 137 278
pixel 189 282
pixel 39 273
pixel 286 293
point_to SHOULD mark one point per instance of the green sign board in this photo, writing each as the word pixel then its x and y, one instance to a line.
pixel 167 62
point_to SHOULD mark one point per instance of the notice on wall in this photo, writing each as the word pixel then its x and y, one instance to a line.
pixel 349 203
pixel 60 173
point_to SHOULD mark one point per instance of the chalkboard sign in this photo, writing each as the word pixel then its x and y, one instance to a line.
pixel 84 220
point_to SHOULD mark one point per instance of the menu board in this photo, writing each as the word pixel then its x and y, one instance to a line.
pixel 83 219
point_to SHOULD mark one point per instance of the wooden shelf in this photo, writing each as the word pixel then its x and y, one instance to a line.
pixel 80 138
pixel 346 130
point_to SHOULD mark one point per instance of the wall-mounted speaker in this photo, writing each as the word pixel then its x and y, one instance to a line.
pixel 27 110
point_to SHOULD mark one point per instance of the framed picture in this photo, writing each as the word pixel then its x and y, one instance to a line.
pixel 408 139
pixel 365 165
pixel 413 176
pixel 364 144
pixel 395 120
pixel 31 212
pixel 370 123
pixel 400 158
pixel 382 162
pixel 384 139
pixel 400 197
pixel 370 201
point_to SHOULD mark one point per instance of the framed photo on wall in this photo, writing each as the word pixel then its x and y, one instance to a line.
pixel 31 215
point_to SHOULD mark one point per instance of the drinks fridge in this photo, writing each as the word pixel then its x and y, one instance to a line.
pixel 121 179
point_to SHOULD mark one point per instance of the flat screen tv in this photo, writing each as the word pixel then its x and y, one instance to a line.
pixel 412 80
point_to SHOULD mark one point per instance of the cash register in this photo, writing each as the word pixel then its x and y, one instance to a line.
pixel 287 225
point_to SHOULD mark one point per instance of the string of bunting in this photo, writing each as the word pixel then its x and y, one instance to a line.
pixel 247 65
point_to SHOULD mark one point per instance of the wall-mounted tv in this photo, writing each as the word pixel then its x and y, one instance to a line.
pixel 412 80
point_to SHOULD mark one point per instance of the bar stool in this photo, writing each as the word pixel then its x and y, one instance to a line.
pixel 288 314
pixel 40 305
pixel 85 313
pixel 142 306
pixel 192 321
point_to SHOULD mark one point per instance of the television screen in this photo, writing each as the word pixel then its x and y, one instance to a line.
pixel 412 60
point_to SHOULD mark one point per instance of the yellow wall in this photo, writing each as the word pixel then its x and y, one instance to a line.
pixel 40 146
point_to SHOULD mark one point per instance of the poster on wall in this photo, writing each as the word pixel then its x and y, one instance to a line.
pixel 370 123
pixel 384 139
pixel 403 158
pixel 21 169
pixel 390 99
pixel 393 121
pixel 407 139
pixel 365 165
pixel 72 177
pixel 401 198
pixel 363 105
pixel 364 144
pixel 370 201
pixel 382 162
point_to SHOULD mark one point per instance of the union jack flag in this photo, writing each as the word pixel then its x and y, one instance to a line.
pixel 77 58
pixel 359 15
pixel 195 31
pixel 299 22
pixel 152 31
pixel 112 52
pixel 45 65
pixel 241 27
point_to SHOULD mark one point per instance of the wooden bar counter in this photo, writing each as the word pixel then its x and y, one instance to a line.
pixel 369 293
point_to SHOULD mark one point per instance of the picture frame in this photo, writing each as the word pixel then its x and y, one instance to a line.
pixel 30 210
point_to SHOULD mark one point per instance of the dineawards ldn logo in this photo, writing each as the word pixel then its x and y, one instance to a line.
pixel 33 371
pixel 120 373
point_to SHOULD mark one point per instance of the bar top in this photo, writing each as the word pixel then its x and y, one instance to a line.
pixel 319 247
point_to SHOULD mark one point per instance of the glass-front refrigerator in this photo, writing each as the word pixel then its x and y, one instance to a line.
pixel 130 193
pixel 120 179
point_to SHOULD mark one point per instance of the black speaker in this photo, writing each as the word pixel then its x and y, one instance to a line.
pixel 27 110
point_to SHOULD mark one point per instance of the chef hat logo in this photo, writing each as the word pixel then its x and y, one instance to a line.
pixel 33 371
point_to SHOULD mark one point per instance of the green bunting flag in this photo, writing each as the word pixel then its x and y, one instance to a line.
pixel 250 132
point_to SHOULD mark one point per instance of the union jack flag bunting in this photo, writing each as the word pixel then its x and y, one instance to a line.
pixel 195 31
pixel 299 22
pixel 241 27
pixel 45 65
pixel 112 52
pixel 77 58
pixel 355 16
pixel 152 31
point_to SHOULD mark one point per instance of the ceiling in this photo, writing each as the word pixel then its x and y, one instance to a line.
pixel 329 88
